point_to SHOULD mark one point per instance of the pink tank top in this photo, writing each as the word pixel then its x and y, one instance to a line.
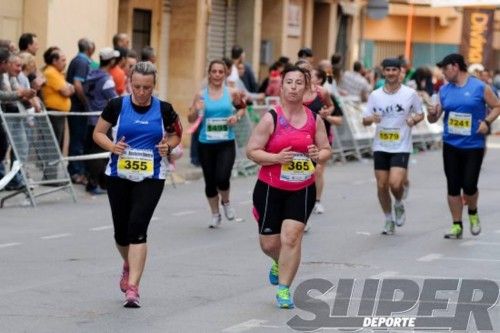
pixel 299 173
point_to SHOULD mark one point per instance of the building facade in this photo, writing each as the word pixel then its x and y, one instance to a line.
pixel 187 34
pixel 434 32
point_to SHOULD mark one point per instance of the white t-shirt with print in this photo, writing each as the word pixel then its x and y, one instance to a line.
pixel 393 135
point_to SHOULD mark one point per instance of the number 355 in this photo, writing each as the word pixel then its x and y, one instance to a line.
pixel 136 165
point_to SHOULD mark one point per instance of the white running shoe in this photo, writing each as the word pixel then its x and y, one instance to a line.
pixel 215 222
pixel 406 191
pixel 399 214
pixel 318 208
pixel 228 211
pixel 388 228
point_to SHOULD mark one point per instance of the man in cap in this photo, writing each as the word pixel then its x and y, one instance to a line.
pixel 463 101
pixel 395 109
pixel 99 89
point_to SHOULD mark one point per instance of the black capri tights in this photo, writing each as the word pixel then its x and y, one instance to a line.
pixel 132 206
pixel 462 167
pixel 217 160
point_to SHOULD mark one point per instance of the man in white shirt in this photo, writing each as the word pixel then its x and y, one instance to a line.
pixel 395 109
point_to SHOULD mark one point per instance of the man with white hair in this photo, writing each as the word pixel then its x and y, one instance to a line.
pixel 475 69
pixel 10 92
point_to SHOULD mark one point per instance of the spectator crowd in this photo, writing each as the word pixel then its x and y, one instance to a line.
pixel 81 84
pixel 64 85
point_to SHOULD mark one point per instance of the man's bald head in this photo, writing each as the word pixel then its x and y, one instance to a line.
pixel 121 40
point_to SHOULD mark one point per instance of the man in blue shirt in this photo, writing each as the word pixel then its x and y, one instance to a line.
pixel 99 89
pixel 78 70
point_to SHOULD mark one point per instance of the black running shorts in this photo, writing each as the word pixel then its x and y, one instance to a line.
pixel 462 168
pixel 272 206
pixel 385 161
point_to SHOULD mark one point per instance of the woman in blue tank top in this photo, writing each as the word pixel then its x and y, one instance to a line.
pixel 214 109
pixel 463 102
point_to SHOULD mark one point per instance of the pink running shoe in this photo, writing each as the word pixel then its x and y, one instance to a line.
pixel 124 278
pixel 132 297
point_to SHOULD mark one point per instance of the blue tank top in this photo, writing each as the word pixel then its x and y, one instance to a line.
pixel 214 127
pixel 464 108
pixel 142 132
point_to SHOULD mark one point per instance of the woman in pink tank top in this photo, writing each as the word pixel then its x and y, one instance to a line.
pixel 287 143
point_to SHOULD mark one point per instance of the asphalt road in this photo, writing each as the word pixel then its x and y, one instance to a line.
pixel 60 270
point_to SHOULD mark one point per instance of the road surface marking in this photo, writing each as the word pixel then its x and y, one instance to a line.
pixel 471 259
pixel 56 236
pixel 436 256
pixel 104 227
pixel 8 245
pixel 183 213
pixel 249 325
pixel 430 257
pixel 472 243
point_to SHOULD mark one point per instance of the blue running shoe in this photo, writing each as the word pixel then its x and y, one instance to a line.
pixel 283 298
pixel 274 274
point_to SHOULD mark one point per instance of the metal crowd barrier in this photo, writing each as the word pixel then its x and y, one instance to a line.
pixel 96 156
pixel 85 157
pixel 242 131
pixel 38 156
pixel 41 162
pixel 351 140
